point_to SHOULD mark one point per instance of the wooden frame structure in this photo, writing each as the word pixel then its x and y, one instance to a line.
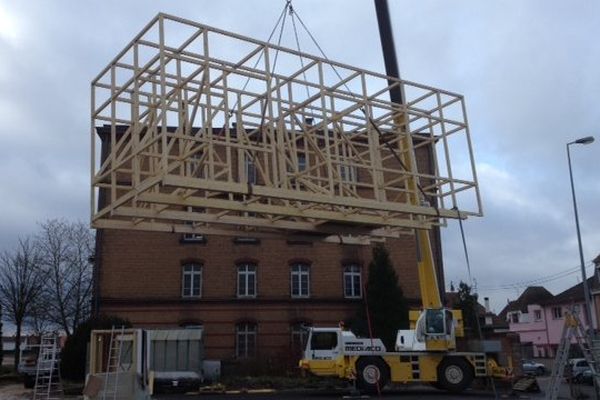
pixel 199 130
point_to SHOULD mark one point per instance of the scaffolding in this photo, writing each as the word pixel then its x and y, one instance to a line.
pixel 202 131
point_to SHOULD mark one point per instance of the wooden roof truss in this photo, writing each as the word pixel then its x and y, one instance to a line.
pixel 207 131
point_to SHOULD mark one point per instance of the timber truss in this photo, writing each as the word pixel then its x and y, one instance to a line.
pixel 199 130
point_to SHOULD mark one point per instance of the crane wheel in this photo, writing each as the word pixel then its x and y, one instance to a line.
pixel 372 374
pixel 455 374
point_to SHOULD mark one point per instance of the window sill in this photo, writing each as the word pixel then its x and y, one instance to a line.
pixel 198 240
pixel 246 240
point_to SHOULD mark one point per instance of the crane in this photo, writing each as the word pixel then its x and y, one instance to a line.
pixel 427 351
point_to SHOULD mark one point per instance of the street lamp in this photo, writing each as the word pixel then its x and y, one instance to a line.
pixel 586 289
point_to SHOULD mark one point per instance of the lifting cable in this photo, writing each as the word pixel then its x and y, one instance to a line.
pixel 292 13
pixel 396 156
pixel 280 20
pixel 464 243
pixel 363 110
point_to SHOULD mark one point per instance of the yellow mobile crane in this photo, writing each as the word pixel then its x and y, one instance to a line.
pixel 427 351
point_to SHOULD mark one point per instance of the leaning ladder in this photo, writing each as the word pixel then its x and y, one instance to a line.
pixel 572 329
pixel 48 385
pixel 113 367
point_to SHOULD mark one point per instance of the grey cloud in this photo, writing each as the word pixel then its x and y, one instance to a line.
pixel 528 71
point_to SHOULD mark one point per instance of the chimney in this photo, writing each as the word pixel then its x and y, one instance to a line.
pixel 486 301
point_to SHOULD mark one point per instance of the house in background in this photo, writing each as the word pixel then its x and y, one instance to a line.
pixel 489 322
pixel 525 316
pixel 538 316
pixel 595 289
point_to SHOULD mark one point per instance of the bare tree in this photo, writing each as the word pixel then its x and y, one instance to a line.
pixel 65 248
pixel 20 285
pixel 37 320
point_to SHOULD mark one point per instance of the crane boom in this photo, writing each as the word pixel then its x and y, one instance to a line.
pixel 430 293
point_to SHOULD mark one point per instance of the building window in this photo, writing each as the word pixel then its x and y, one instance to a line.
pixel 193 237
pixel 245 340
pixel 301 162
pixel 300 280
pixel 246 280
pixel 514 317
pixel 250 169
pixel 576 309
pixel 557 312
pixel 192 326
pixel 299 337
pixel 246 240
pixel 191 280
pixel 352 282
pixel 537 315
pixel 348 173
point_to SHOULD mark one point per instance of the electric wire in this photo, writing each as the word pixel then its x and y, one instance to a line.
pixel 537 281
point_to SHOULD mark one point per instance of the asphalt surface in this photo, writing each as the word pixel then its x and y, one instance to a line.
pixel 410 392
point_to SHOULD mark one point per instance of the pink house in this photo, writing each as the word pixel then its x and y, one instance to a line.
pixel 537 316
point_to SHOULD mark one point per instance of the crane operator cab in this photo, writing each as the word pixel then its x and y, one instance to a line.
pixel 434 329
pixel 438 323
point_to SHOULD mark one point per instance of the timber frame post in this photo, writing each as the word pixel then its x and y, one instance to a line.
pixel 193 130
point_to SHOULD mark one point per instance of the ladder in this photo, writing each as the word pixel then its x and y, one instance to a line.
pixel 572 329
pixel 48 385
pixel 113 367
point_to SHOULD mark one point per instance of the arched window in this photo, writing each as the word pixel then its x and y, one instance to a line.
pixel 245 340
pixel 352 281
pixel 246 286
pixel 191 280
pixel 298 337
pixel 300 280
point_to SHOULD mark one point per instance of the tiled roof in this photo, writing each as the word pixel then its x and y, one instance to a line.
pixel 532 295
pixel 574 293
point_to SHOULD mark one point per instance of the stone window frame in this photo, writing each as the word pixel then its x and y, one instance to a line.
pixel 246 333
pixel 191 274
pixel 299 335
pixel 298 270
pixel 247 269
pixel 352 270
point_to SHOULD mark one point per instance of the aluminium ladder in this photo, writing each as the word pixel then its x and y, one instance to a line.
pixel 113 367
pixel 48 385
pixel 572 330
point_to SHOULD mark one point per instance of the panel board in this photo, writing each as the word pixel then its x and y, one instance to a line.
pixel 199 130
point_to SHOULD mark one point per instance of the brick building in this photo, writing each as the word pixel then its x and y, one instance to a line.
pixel 250 295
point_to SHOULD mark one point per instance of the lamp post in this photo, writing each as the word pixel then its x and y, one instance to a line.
pixel 586 289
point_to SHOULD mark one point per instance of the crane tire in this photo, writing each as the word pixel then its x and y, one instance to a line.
pixel 372 374
pixel 455 374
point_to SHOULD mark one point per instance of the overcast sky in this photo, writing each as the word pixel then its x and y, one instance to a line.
pixel 529 71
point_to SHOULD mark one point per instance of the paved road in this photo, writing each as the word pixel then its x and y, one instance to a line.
pixel 416 392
